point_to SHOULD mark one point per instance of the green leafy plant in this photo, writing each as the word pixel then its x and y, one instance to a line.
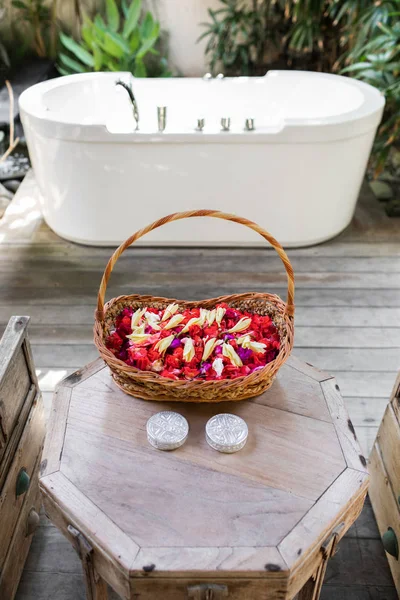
pixel 378 63
pixel 240 35
pixel 360 38
pixel 124 41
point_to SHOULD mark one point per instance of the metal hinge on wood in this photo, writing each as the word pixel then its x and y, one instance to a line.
pixel 312 589
pixel 207 591
pixel 329 547
pixel 96 588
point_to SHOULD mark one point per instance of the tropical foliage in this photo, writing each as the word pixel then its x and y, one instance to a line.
pixel 124 41
pixel 360 38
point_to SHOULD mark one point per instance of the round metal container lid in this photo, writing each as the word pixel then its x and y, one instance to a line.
pixel 167 430
pixel 226 432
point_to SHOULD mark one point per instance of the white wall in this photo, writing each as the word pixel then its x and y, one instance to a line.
pixel 181 18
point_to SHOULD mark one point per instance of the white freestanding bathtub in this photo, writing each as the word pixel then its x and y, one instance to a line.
pixel 298 174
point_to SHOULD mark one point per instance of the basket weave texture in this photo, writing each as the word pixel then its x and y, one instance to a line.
pixel 151 386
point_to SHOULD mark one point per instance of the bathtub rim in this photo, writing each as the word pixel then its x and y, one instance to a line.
pixel 298 130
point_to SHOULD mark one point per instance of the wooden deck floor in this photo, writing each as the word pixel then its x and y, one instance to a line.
pixel 347 323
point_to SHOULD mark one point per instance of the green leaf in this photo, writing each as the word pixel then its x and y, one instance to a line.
pixel 71 63
pixel 98 57
pixel 99 21
pixel 140 69
pixel 357 67
pixel 134 41
pixel 19 4
pixel 125 8
pixel 62 70
pixel 115 45
pixel 87 32
pixel 132 18
pixel 147 44
pixel 147 25
pixel 112 13
pixel 80 53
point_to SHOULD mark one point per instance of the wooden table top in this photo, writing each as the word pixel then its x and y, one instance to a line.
pixel 260 510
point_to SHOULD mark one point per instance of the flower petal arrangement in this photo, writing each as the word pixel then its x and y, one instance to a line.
pixel 196 343
pixel 212 350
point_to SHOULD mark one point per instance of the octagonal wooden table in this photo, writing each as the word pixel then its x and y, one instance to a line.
pixel 195 524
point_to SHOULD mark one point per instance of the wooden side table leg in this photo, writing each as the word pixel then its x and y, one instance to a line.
pixel 96 587
pixel 312 589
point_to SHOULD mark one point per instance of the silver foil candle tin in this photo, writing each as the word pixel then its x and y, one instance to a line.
pixel 226 433
pixel 167 430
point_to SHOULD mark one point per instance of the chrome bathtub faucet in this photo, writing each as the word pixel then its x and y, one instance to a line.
pixel 162 118
pixel 200 124
pixel 132 98
pixel 225 124
pixel 207 77
pixel 249 125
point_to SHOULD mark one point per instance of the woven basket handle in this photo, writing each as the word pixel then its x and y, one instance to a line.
pixel 185 215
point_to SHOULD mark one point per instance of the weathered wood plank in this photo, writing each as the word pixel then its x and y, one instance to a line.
pixel 169 283
pixel 385 505
pixel 361 384
pixel 389 444
pixel 344 427
pixel 19 540
pixel 332 249
pixel 366 412
pixel 56 430
pixel 198 260
pixel 27 454
pixel 351 359
pixel 75 506
pixel 366 437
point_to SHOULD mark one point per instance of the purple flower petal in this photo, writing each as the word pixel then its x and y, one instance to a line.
pixel 205 367
pixel 244 353
pixel 175 344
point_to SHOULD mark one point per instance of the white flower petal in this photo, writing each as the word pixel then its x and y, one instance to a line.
pixel 229 352
pixel 219 315
pixel 218 366
pixel 203 316
pixel 169 311
pixel 188 350
pixel 209 348
pixel 244 341
pixel 241 325
pixel 211 317
pixel 190 323
pixel 137 315
pixel 257 347
pixel 164 344
pixel 176 319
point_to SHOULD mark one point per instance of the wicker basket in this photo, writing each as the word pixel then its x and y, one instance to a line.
pixel 150 385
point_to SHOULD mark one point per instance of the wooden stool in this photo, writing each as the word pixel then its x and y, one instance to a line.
pixel 194 524
pixel 385 481
pixel 21 443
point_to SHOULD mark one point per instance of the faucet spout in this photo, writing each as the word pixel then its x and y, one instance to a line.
pixel 132 99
